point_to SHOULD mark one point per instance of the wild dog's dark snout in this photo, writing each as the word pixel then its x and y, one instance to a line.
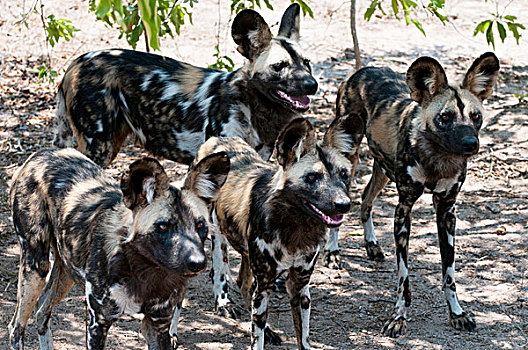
pixel 470 144
pixel 342 205
pixel 196 262
pixel 467 139
pixel 309 85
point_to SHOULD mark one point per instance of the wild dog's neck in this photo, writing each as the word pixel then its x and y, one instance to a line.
pixel 297 229
pixel 141 276
pixel 268 117
pixel 436 162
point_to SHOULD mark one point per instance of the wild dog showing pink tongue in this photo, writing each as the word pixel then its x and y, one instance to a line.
pixel 277 217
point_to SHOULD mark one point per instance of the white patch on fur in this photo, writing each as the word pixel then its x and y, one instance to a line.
pixel 204 187
pixel 305 318
pixel 92 54
pixel 190 141
pixel 137 131
pixel 430 83
pixel 479 82
pixel 343 142
pixel 146 81
pixel 450 295
pixel 443 185
pixel 239 125
pixel 125 302
pixel 332 244
pixel 219 267
pixel 149 186
pixel 368 228
pixel 173 330
pixel 278 180
pixel 450 239
pixel 253 36
pixel 99 124
pixel 203 92
pixel 416 173
pixel 171 89
pixel 115 52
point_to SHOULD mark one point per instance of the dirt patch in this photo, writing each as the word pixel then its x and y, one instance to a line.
pixel 350 305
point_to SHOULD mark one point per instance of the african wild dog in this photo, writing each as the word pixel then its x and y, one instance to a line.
pixel 132 249
pixel 422 145
pixel 172 107
pixel 276 217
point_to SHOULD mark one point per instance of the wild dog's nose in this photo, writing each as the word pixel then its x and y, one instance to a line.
pixel 309 86
pixel 470 144
pixel 342 206
pixel 196 263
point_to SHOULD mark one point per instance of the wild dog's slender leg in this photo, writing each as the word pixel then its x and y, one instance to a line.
pixel 331 257
pixel 34 266
pixel 219 273
pixel 173 331
pixel 377 181
pixel 446 222
pixel 259 313
pixel 299 292
pixel 156 332
pixel 98 325
pixel 245 281
pixel 408 194
pixel 58 285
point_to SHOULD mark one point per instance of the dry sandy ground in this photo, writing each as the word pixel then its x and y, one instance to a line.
pixel 351 304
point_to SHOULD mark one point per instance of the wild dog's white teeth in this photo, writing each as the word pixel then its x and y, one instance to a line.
pixel 329 220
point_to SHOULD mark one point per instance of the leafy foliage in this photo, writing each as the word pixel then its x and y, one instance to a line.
pixel 434 8
pixel 222 61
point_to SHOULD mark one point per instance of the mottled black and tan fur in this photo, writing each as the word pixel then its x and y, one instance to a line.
pixel 172 107
pixel 277 216
pixel 131 247
pixel 421 132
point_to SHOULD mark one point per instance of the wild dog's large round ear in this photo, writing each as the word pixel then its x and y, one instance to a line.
pixel 290 23
pixel 145 180
pixel 426 78
pixel 295 140
pixel 345 134
pixel 482 76
pixel 251 33
pixel 207 176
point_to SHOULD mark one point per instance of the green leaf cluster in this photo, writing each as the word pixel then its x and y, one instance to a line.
pixel 155 17
pixel 501 22
pixel 404 8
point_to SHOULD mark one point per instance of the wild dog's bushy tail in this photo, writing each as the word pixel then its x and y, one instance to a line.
pixel 63 133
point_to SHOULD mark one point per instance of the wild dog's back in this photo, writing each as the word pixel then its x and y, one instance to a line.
pixel 41 197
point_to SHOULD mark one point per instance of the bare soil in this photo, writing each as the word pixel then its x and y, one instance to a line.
pixel 349 305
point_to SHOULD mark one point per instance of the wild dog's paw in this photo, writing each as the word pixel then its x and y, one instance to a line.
pixel 374 251
pixel 271 338
pixel 332 259
pixel 395 326
pixel 229 310
pixel 174 341
pixel 462 322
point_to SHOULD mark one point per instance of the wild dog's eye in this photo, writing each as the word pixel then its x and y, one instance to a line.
pixel 277 67
pixel 446 116
pixel 475 115
pixel 343 174
pixel 162 226
pixel 312 178
pixel 201 227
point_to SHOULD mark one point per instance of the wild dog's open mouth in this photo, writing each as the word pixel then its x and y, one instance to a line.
pixel 332 221
pixel 298 103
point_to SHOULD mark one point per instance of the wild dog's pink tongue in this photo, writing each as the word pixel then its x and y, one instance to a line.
pixel 295 101
pixel 329 220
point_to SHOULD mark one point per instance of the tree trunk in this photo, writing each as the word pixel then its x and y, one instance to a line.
pixel 357 53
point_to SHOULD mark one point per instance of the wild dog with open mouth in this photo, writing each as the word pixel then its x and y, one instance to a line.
pixel 131 248
pixel 277 217
pixel 173 107
pixel 422 143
